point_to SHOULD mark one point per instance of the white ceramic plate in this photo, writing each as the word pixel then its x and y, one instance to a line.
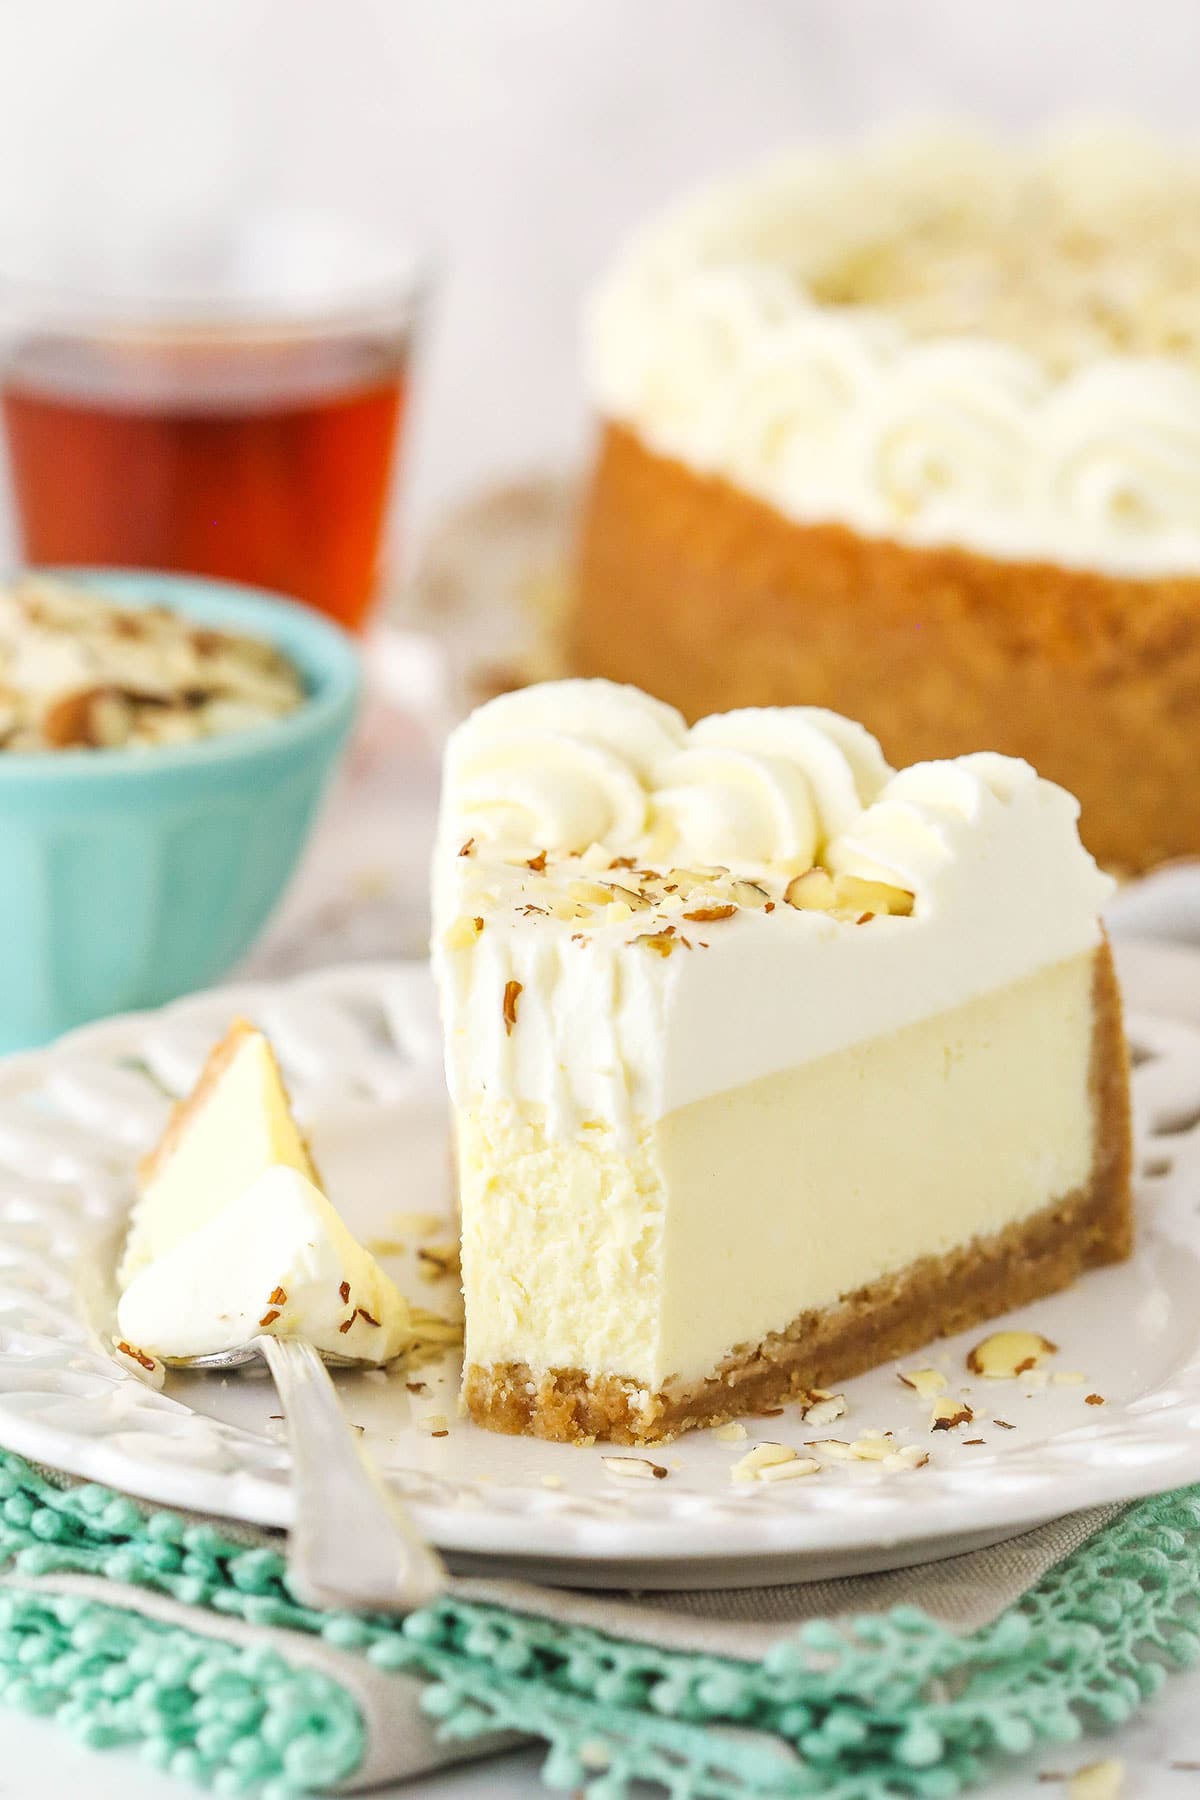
pixel 361 1050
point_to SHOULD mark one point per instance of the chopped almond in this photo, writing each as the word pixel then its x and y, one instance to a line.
pixel 872 896
pixel 762 1456
pixel 636 1468
pixel 697 877
pixel 436 1261
pixel 822 1409
pixel 833 1448
pixel 925 1383
pixel 948 1414
pixel 1007 1354
pixel 661 942
pixel 851 897
pixel 593 893
pixel 461 934
pixel 749 893
pixel 569 910
pixel 633 898
pixel 1097 1781
pixel 512 993
pixel 811 892
pixel 873 1446
pixel 96 718
pixel 790 1471
pixel 909 1456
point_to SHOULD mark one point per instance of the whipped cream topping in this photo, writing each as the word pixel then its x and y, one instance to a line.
pixel 943 341
pixel 277 1259
pixel 613 936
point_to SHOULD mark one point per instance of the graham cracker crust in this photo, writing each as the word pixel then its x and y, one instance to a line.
pixel 711 599
pixel 933 1297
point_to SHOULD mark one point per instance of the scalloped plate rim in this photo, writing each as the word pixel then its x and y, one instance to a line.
pixel 781 1545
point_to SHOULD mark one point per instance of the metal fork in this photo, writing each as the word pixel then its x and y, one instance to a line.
pixel 352 1545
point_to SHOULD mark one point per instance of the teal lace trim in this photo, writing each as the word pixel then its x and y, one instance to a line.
pixel 899 1706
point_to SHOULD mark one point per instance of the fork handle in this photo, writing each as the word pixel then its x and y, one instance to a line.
pixel 352 1545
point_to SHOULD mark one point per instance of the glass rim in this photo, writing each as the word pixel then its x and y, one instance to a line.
pixel 43 301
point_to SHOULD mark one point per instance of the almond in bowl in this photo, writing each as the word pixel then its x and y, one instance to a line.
pixel 79 671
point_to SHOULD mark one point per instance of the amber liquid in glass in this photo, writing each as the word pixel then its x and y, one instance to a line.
pixel 260 461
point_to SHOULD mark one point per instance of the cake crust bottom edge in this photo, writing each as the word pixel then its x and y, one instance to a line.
pixel 932 1297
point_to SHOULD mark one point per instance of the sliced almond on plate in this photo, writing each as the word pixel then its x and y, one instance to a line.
pixel 947 1414
pixel 927 1384
pixel 1007 1355
pixel 634 1468
pixel 762 1456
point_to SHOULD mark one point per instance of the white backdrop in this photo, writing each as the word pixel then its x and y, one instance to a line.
pixel 522 136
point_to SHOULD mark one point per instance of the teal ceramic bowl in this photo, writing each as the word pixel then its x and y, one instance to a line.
pixel 128 877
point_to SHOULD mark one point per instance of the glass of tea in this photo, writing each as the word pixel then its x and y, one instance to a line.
pixel 230 406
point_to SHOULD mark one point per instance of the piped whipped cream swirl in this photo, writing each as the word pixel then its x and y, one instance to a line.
pixel 943 341
pixel 568 764
pixel 616 930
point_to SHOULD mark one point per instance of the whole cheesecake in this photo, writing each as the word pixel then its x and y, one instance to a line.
pixel 912 431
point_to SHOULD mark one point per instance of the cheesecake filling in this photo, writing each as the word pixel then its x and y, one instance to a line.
pixel 841 1171
pixel 236 1123
pixel 277 1259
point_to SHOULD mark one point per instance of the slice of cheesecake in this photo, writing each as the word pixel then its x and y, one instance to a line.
pixel 232 1234
pixel 767 1063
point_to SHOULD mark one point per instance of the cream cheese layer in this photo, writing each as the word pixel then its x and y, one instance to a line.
pixel 939 340
pixel 276 1259
pixel 839 1174
pixel 613 937
pixel 216 1148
